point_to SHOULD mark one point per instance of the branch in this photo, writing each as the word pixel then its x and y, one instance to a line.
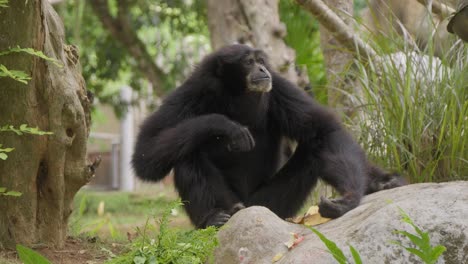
pixel 439 8
pixel 333 23
pixel 120 28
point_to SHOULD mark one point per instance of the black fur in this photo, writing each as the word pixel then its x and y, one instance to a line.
pixel 225 145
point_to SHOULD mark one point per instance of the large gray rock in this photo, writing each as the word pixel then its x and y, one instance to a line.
pixel 256 235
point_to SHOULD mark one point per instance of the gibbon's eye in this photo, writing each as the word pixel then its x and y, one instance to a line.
pixel 249 61
pixel 261 61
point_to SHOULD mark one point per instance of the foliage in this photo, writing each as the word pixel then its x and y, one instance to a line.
pixel 175 33
pixel 29 256
pixel 359 5
pixel 112 213
pixel 336 252
pixel 24 129
pixel 31 52
pixel 421 240
pixel 303 36
pixel 21 76
pixel 3 151
pixel 91 204
pixel 4 192
pixel 170 245
pixel 423 249
pixel 19 131
pixel 3 3
pixel 412 112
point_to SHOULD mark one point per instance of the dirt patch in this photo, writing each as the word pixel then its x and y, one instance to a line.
pixel 76 250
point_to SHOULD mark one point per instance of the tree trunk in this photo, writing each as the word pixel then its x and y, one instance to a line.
pixel 255 23
pixel 337 58
pixel 47 170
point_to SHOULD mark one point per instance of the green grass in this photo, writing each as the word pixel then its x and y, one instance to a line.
pixel 120 213
pixel 157 242
pixel 415 119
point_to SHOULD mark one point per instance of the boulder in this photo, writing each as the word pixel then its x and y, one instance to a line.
pixel 256 235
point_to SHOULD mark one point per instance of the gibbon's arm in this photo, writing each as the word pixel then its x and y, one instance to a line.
pixel 159 146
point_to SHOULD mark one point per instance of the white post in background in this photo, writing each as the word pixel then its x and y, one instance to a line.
pixel 127 179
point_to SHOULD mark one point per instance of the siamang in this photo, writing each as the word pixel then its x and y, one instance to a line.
pixel 222 132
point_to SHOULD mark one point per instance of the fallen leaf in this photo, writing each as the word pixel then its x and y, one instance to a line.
pixel 296 220
pixel 290 243
pixel 277 257
pixel 100 210
pixel 313 217
pixel 294 241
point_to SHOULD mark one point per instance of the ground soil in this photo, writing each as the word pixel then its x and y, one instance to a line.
pixel 76 251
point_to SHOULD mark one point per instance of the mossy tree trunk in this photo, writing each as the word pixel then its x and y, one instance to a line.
pixel 47 170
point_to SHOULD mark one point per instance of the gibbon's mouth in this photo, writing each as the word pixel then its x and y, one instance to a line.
pixel 262 79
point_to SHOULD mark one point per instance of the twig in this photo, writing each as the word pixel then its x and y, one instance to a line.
pixel 440 9
pixel 333 23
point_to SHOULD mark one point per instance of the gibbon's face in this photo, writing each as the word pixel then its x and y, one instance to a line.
pixel 258 78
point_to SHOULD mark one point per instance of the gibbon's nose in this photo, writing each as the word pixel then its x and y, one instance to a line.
pixel 261 74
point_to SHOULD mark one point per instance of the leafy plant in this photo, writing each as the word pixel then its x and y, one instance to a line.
pixel 170 245
pixel 336 252
pixel 175 33
pixel 102 221
pixel 29 256
pixel 31 52
pixel 21 76
pixel 423 249
pixel 411 113
pixel 23 129
pixel 3 151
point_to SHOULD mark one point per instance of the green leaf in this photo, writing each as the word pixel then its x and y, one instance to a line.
pixel 437 251
pixel 414 239
pixel 6 149
pixel 334 249
pixel 418 253
pixel 19 76
pixel 32 52
pixel 13 193
pixel 3 156
pixel 2 189
pixel 29 256
pixel 25 129
pixel 356 255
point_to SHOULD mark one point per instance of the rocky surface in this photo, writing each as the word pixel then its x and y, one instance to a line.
pixel 256 235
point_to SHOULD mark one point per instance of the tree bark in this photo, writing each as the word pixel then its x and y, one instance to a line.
pixel 255 23
pixel 121 29
pixel 47 170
